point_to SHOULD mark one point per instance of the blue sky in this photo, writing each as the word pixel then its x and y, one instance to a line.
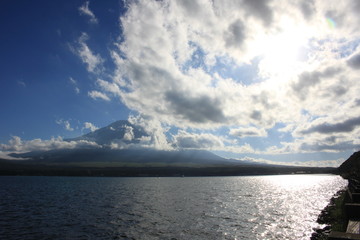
pixel 257 80
pixel 38 63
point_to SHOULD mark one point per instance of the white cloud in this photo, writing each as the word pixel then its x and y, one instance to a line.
pixel 208 141
pixel 309 163
pixel 18 145
pixel 74 83
pixel 152 79
pixel 65 124
pixel 89 125
pixel 185 140
pixel 93 61
pixel 98 95
pixel 6 156
pixel 109 87
pixel 85 10
pixel 294 67
pixel 129 133
pixel 156 131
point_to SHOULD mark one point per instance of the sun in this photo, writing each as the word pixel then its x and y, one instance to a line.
pixel 282 54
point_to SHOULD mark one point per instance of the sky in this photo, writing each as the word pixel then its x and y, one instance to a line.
pixel 267 81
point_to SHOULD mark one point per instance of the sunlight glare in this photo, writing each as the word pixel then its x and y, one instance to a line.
pixel 282 54
pixel 298 181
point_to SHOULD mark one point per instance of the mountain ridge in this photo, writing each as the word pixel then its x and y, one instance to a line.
pixel 137 160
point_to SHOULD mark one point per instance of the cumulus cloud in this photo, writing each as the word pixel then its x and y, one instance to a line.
pixel 93 61
pixel 308 163
pixel 259 9
pixel 90 126
pixel 156 132
pixel 348 125
pixel 236 34
pixel 309 80
pixel 16 144
pixel 98 95
pixel 85 10
pixel 6 156
pixel 354 61
pixel 109 87
pixel 198 109
pixel 295 65
pixel 197 141
pixel 307 8
pixel 154 79
pixel 65 124
pixel 129 133
pixel 248 132
pixel 318 143
pixel 325 147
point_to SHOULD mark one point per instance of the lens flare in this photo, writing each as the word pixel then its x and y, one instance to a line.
pixel 331 23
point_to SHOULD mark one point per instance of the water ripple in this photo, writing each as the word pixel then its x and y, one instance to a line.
pixel 262 207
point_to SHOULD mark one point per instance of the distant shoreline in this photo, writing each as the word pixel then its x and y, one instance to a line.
pixel 22 169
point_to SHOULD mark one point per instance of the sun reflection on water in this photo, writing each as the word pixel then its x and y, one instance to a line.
pixel 290 202
pixel 299 181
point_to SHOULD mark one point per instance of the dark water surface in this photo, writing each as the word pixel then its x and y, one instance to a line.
pixel 259 207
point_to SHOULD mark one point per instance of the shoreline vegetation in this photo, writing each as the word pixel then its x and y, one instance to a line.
pixel 139 163
pixel 151 170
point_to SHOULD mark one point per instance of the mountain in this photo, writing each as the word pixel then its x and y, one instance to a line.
pixel 122 157
pixel 125 132
pixel 121 130
pixel 103 160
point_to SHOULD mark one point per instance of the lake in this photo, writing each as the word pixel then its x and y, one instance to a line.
pixel 245 207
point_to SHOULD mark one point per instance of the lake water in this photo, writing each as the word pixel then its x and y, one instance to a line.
pixel 251 207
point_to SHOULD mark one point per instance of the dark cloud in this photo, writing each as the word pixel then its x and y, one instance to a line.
pixel 329 147
pixel 197 141
pixel 260 9
pixel 354 61
pixel 256 115
pixel 330 72
pixel 325 128
pixel 307 8
pixel 357 102
pixel 339 90
pixel 190 6
pixel 247 132
pixel 331 139
pixel 200 109
pixel 356 6
pixel 263 98
pixel 235 34
pixel 307 80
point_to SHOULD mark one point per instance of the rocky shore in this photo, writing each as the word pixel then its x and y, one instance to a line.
pixel 333 216
pixel 344 206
